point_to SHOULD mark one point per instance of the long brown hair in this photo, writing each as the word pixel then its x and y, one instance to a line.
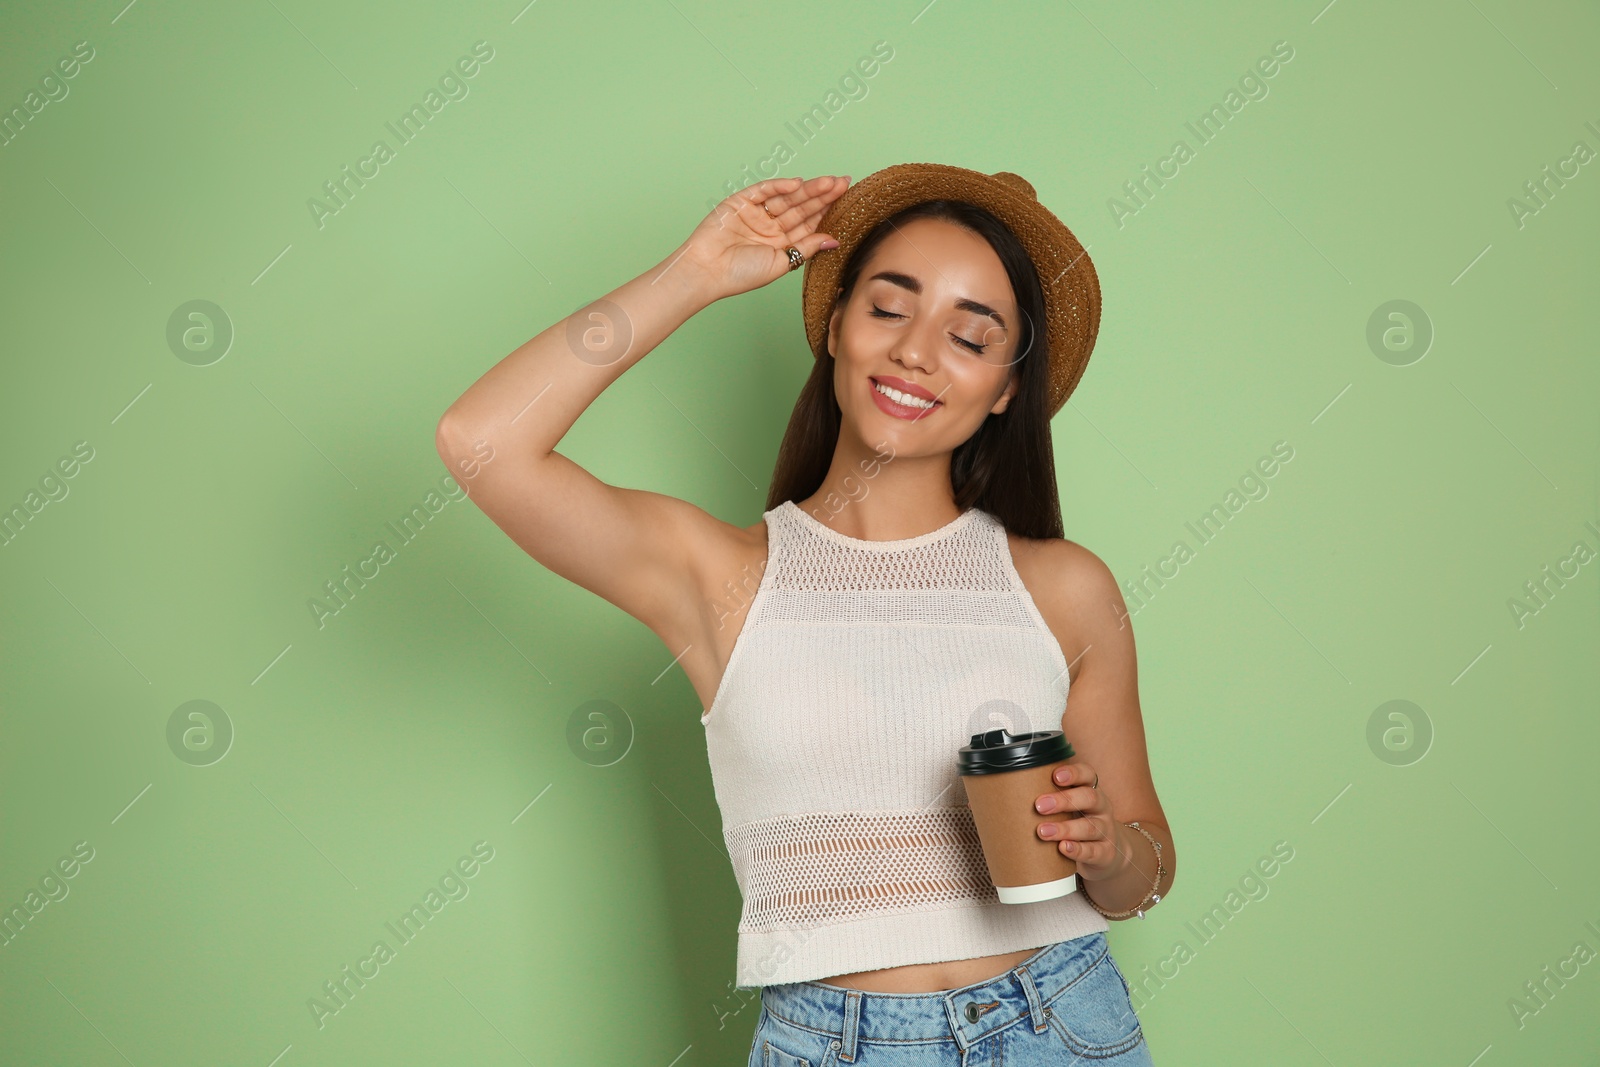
pixel 1007 467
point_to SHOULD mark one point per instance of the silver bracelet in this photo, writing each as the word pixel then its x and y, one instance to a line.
pixel 1150 898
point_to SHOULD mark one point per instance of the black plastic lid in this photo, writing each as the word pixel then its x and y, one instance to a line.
pixel 998 750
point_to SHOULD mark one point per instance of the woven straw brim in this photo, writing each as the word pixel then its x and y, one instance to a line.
pixel 1066 274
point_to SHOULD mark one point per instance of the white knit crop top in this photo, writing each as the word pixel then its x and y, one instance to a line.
pixel 860 670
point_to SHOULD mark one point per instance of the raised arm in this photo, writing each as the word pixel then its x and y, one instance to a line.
pixel 632 547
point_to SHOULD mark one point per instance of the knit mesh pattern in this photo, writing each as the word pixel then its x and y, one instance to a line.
pixel 829 866
pixel 860 670
pixel 947 563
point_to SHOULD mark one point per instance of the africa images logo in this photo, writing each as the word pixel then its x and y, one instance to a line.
pixel 452 85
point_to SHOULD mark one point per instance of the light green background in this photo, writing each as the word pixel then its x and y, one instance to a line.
pixel 370 754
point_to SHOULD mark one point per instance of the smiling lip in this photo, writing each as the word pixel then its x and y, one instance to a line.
pixel 902 411
pixel 904 386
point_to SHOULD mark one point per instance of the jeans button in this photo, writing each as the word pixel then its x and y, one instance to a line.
pixel 972 1012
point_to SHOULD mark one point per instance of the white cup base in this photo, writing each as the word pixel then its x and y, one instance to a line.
pixel 1028 894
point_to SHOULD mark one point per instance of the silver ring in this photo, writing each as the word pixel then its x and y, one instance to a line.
pixel 795 258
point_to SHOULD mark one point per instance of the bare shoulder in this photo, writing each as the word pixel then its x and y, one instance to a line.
pixel 716 551
pixel 1064 573
pixel 698 528
pixel 725 563
pixel 1075 592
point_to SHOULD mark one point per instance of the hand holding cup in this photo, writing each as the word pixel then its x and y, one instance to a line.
pixel 1088 833
pixel 1003 773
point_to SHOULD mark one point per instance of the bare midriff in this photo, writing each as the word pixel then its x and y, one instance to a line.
pixel 931 977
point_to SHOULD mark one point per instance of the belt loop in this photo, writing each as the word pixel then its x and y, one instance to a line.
pixel 852 1020
pixel 1035 1005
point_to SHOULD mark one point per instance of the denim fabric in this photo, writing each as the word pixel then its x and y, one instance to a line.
pixel 1066 1004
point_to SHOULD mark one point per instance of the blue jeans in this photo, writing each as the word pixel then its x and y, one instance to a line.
pixel 1066 1004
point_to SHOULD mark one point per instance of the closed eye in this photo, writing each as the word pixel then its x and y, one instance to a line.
pixel 878 313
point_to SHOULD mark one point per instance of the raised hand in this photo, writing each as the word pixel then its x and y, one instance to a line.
pixel 741 245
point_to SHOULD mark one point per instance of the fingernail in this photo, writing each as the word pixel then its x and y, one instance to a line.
pixel 830 243
pixel 1047 829
pixel 1062 775
pixel 1046 804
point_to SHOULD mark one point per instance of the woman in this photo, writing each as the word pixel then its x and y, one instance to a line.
pixel 907 587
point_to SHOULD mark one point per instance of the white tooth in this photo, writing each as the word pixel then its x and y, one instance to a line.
pixel 903 398
pixel 906 399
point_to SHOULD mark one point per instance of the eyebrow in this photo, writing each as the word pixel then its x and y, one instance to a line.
pixel 906 281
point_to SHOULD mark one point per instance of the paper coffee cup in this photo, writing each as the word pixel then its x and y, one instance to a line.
pixel 1004 773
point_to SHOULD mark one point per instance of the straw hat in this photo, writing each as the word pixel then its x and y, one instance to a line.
pixel 1066 274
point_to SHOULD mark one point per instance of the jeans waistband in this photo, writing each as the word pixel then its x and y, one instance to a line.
pixel 968 1014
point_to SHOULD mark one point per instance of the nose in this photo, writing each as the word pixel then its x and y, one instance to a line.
pixel 917 345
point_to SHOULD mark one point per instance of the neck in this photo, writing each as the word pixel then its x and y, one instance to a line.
pixel 875 494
